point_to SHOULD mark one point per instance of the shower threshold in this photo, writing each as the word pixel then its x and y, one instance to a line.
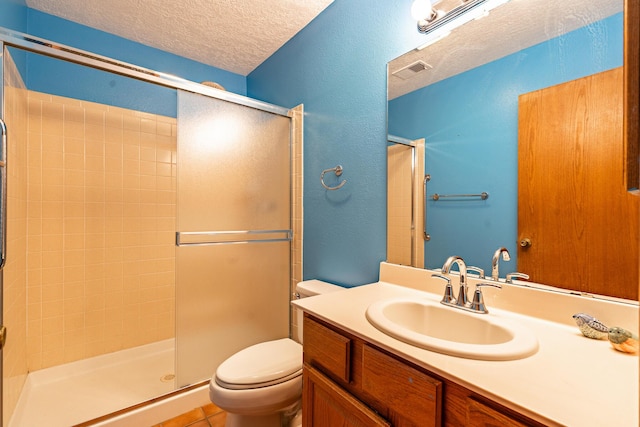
pixel 79 391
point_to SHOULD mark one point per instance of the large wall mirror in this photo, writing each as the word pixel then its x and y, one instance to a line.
pixel 466 95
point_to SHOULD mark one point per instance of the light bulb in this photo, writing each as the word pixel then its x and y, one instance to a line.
pixel 421 10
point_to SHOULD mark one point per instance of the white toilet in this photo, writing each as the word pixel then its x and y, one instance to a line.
pixel 261 385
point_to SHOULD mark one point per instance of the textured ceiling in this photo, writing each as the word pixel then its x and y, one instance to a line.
pixel 234 35
pixel 508 29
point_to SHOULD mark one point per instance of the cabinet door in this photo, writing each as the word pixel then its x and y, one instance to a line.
pixel 325 404
pixel 408 397
pixel 481 415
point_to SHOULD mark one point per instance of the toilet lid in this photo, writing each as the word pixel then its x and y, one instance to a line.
pixel 261 365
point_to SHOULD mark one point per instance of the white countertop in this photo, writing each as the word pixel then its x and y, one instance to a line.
pixel 571 380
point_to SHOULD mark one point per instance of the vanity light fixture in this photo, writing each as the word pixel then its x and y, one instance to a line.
pixel 430 19
pixel 423 12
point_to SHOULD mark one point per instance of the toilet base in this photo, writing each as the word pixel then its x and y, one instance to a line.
pixel 272 406
pixel 290 417
pixel 296 421
pixel 237 420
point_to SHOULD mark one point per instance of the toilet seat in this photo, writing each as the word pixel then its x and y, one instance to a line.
pixel 261 365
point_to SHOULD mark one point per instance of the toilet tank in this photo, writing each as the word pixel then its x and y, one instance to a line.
pixel 309 288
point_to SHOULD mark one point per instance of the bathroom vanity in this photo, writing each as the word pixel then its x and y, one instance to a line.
pixel 354 374
pixel 350 381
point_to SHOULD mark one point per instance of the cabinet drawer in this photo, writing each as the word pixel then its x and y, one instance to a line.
pixel 327 349
pixel 410 396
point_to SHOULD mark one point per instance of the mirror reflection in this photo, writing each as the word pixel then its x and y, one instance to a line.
pixel 405 210
pixel 462 94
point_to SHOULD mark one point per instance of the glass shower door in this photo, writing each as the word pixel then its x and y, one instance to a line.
pixel 90 272
pixel 234 232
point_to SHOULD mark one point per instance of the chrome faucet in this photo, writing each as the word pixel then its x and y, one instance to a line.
pixel 516 275
pixel 476 270
pixel 495 275
pixel 477 305
pixel 462 300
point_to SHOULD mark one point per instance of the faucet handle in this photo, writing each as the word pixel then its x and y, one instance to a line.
pixel 448 297
pixel 516 275
pixel 477 270
pixel 478 300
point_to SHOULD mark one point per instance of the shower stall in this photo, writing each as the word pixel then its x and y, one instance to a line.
pixel 152 229
pixel 406 210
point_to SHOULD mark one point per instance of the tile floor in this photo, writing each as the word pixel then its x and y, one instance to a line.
pixel 206 416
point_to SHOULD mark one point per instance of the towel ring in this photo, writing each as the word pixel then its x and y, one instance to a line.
pixel 338 171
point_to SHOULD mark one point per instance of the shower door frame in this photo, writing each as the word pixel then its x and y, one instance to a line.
pixel 418 225
pixel 3 237
pixel 28 43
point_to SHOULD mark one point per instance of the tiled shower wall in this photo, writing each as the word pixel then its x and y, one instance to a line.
pixel 405 204
pixel 14 354
pixel 100 229
pixel 419 204
pixel 91 223
pixel 399 160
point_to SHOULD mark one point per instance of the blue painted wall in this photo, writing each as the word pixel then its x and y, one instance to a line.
pixel 57 77
pixel 49 75
pixel 13 14
pixel 470 122
pixel 82 37
pixel 336 66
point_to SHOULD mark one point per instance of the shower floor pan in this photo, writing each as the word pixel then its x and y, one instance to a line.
pixel 80 391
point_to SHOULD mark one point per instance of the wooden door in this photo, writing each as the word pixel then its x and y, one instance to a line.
pixel 572 201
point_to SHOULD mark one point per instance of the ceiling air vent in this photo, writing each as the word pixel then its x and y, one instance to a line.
pixel 411 70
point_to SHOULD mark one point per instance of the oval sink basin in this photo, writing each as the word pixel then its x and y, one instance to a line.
pixel 433 326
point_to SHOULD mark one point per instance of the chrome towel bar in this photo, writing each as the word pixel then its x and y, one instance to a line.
pixel 483 196
pixel 426 236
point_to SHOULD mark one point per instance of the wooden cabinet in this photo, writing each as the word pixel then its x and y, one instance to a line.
pixel 406 395
pixel 481 415
pixel 331 406
pixel 398 392
pixel 349 382
pixel 329 350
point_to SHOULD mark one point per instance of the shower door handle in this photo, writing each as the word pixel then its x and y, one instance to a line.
pixel 3 196
pixel 191 238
